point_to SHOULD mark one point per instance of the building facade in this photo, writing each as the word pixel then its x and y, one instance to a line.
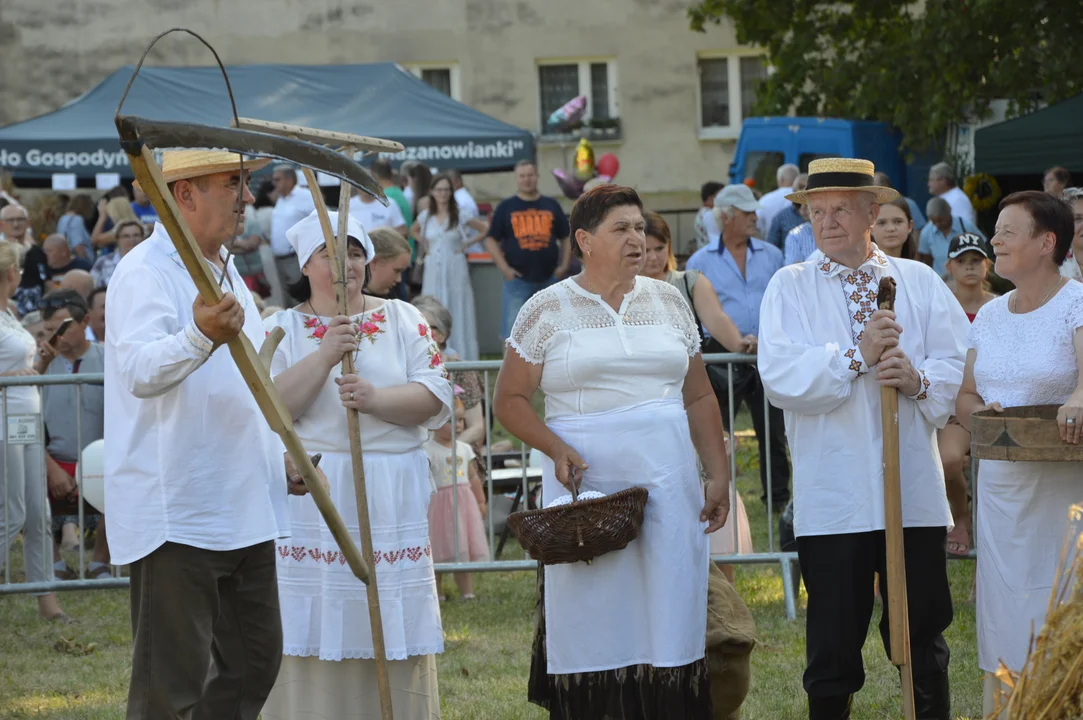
pixel 668 102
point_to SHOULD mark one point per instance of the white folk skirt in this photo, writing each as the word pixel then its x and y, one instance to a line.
pixel 324 607
pixel 1022 519
pixel 645 604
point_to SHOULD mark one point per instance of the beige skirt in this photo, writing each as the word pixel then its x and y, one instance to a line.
pixel 310 688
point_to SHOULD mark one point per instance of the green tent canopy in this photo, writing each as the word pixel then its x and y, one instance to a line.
pixel 1033 143
pixel 375 99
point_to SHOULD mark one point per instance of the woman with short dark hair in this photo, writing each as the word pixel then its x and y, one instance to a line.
pixel 1026 348
pixel 627 403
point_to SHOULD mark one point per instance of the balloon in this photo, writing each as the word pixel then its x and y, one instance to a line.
pixel 569 113
pixel 751 182
pixel 608 165
pixel 571 185
pixel 596 181
pixel 584 160
pixel 93 465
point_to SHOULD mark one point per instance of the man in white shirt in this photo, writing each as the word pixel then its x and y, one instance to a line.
pixel 372 214
pixel 942 184
pixel 194 479
pixel 774 202
pixel 293 204
pixel 824 353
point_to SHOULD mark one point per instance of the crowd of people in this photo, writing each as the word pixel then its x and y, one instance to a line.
pixel 598 317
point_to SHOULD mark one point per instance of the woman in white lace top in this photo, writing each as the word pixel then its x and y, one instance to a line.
pixel 401 390
pixel 627 403
pixel 1026 348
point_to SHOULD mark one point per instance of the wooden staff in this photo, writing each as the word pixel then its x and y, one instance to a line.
pixel 898 618
pixel 336 255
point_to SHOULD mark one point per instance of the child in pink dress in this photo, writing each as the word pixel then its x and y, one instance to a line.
pixel 457 506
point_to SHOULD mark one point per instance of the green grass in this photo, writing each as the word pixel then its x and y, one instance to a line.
pixel 80 672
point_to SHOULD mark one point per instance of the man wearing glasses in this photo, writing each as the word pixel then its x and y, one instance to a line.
pixel 15 225
pixel 194 476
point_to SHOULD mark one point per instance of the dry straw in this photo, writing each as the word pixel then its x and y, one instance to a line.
pixel 1050 685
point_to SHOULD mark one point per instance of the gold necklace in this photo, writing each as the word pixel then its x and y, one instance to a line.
pixel 1044 300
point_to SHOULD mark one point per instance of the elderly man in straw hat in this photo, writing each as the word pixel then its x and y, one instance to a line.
pixel 194 478
pixel 825 352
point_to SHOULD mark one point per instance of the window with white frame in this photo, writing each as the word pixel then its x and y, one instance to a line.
pixel 727 90
pixel 559 82
pixel 444 78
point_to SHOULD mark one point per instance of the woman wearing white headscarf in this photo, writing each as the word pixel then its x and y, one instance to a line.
pixel 401 390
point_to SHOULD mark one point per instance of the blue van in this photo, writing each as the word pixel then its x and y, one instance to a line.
pixel 766 143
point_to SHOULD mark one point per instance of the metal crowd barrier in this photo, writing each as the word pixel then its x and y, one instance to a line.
pixel 528 477
pixel 28 429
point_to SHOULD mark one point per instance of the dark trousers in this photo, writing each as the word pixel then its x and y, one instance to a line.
pixel 838 572
pixel 207 633
pixel 748 389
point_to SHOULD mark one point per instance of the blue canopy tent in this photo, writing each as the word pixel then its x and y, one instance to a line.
pixel 376 99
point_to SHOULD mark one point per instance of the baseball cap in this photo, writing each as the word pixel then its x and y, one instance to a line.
pixel 738 196
pixel 967 242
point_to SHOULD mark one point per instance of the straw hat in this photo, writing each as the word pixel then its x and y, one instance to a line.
pixel 842 175
pixel 187 164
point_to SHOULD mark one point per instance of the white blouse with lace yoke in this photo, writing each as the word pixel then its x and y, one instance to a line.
pixel 597 359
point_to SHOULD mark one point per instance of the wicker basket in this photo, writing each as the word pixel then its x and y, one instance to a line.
pixel 1027 432
pixel 582 529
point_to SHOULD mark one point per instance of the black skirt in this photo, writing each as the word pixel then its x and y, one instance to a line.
pixel 636 692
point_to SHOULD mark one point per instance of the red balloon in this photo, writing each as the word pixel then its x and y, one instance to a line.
pixel 608 165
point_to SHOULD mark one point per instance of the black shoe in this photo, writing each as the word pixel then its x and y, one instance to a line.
pixel 932 697
pixel 830 708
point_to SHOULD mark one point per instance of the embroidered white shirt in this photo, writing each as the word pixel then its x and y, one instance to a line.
pixel 811 323
pixel 189 457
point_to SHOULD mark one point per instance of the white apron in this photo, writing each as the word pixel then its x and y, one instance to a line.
pixel 645 604
pixel 1022 520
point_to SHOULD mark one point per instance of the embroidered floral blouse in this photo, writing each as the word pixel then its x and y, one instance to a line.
pixel 395 347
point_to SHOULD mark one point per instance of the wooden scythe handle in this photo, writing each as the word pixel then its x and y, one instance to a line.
pixel 893 525
pixel 254 370
pixel 337 252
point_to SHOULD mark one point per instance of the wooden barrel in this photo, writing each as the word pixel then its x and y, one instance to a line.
pixel 1028 432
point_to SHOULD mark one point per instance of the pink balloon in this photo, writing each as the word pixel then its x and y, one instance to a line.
pixel 608 165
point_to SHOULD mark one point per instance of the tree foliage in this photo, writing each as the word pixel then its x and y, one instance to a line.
pixel 920 66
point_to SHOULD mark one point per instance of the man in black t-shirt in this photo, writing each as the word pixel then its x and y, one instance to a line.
pixel 529 241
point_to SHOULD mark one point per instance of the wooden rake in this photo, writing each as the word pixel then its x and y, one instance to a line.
pixel 899 622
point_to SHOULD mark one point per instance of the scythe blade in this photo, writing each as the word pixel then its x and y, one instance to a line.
pixel 136 132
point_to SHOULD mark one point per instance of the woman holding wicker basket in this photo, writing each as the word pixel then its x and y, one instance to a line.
pixel 628 404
